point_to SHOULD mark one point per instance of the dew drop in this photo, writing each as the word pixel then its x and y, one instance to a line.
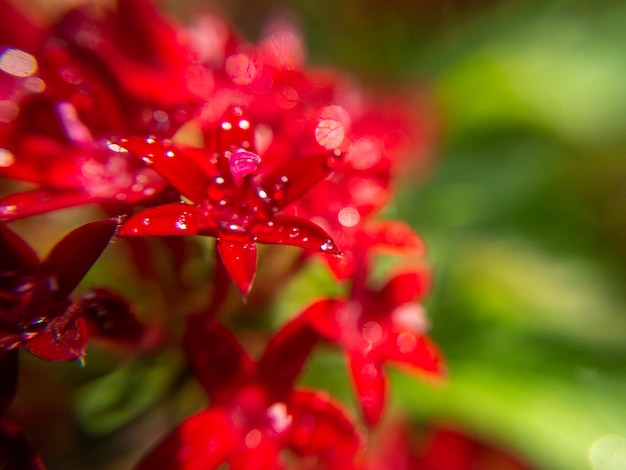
pixel 294 232
pixel 18 63
pixel 369 372
pixel 145 221
pixel 372 332
pixel 226 126
pixel 349 216
pixel 279 418
pixel 169 154
pixel 181 223
pixel 148 159
pixel 6 211
pixel 150 140
pixel 406 342
pixel 6 158
pixel 253 439
pixel 216 190
pixel 328 245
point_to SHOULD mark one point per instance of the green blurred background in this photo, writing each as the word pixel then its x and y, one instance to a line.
pixel 523 210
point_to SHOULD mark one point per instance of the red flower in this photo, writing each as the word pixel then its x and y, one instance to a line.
pixel 379 326
pixel 232 198
pixel 255 413
pixel 35 309
pixel 92 76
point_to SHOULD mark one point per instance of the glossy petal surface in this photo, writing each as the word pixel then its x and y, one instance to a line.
pixel 168 219
pixel 71 258
pixel 240 262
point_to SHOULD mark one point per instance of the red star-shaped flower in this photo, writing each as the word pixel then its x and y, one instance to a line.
pixel 35 309
pixel 379 326
pixel 255 413
pixel 232 198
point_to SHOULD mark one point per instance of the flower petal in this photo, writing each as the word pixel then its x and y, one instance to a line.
pixel 240 262
pixel 370 384
pixel 321 428
pixel 167 219
pixel 296 231
pixel 216 357
pixel 285 355
pixel 16 254
pixel 63 339
pixel 171 163
pixel 71 258
pixel 40 201
pixel 294 179
pixel 394 235
pixel 202 441
pixel 406 287
pixel 330 318
pixel 417 353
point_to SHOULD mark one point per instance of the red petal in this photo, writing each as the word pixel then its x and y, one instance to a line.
pixel 328 318
pixel 71 258
pixel 216 358
pixel 294 179
pixel 64 339
pixel 321 428
pixel 370 385
pixel 285 356
pixel 171 163
pixel 406 287
pixel 167 219
pixel 16 254
pixel 417 353
pixel 261 456
pixel 202 441
pixel 29 203
pixel 395 235
pixel 290 230
pixel 240 262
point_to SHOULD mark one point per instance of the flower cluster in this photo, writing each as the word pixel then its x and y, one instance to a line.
pixel 191 131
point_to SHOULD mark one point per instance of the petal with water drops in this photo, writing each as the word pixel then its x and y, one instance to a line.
pixel 168 219
pixel 240 262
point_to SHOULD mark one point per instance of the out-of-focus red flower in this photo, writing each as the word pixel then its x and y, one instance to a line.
pixel 378 326
pixel 232 198
pixel 67 89
pixel 255 414
pixel 35 309
pixel 400 446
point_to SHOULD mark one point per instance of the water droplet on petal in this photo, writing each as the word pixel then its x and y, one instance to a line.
pixel 148 159
pixel 372 332
pixel 253 439
pixel 328 245
pixel 7 211
pixel 241 69
pixel 279 418
pixel 406 342
pixel 294 232
pixel 369 372
pixel 216 190
pixel 181 223
pixel 332 126
pixel 6 158
pixel 349 216
pixel 145 221
pixel 18 63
